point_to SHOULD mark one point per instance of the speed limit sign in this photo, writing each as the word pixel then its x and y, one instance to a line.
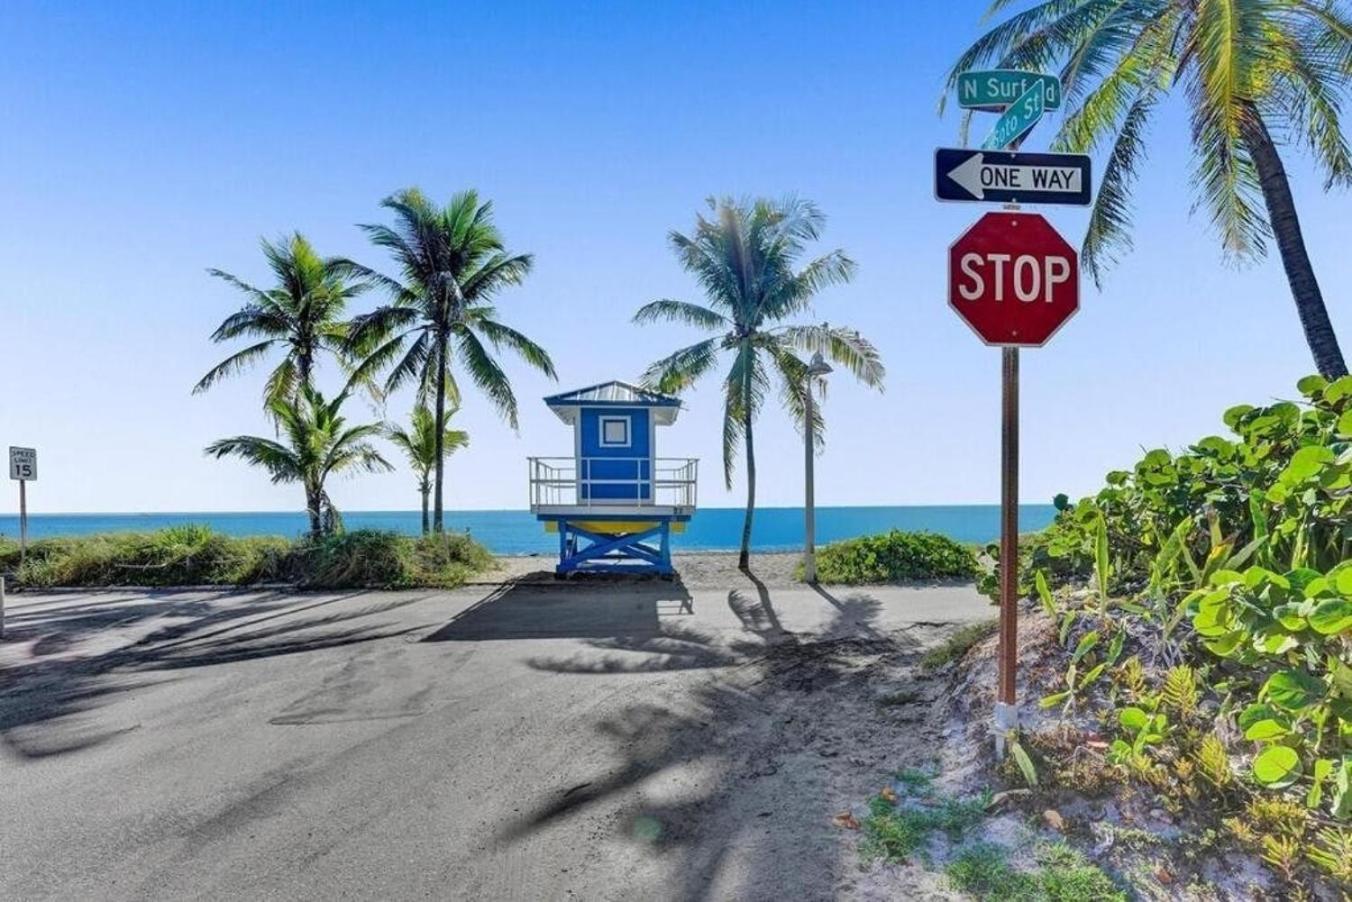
pixel 23 463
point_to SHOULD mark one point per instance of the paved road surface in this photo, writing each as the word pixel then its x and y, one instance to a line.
pixel 528 742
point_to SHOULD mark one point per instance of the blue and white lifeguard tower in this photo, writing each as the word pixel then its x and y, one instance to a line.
pixel 614 503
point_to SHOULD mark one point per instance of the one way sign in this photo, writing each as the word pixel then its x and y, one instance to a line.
pixel 1006 177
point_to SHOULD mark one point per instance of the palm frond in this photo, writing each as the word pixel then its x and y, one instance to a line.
pixel 794 385
pixel 677 372
pixel 485 372
pixel 505 336
pixel 1109 232
pixel 844 347
pixel 680 312
pixel 280 462
pixel 1224 48
pixel 235 363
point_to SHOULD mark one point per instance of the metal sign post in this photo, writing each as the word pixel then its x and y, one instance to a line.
pixel 1015 281
pixel 23 466
pixel 1006 707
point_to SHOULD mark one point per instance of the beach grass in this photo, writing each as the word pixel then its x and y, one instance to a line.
pixel 199 556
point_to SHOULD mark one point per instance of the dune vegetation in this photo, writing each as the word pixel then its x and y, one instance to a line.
pixel 894 556
pixel 1202 604
pixel 198 556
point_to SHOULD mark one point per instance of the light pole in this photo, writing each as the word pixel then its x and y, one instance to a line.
pixel 817 369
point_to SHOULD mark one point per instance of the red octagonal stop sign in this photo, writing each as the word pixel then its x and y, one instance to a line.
pixel 1013 279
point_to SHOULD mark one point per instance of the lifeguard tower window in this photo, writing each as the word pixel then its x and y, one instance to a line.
pixel 614 432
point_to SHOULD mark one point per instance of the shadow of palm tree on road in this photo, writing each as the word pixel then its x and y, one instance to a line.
pixel 46 707
pixel 761 738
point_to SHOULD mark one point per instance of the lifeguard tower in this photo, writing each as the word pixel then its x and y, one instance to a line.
pixel 614 503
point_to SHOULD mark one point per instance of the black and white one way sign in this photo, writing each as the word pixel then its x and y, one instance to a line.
pixel 1006 177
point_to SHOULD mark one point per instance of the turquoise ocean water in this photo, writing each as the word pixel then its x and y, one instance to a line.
pixel 517 532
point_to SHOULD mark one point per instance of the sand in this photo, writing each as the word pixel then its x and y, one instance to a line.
pixel 697 570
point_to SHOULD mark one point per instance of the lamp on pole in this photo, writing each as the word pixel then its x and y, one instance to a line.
pixel 817 369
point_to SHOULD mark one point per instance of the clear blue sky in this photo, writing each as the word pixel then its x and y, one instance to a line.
pixel 141 144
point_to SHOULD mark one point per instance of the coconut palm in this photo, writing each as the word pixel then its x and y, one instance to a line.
pixel 1250 70
pixel 744 257
pixel 452 264
pixel 316 444
pixel 301 316
pixel 419 445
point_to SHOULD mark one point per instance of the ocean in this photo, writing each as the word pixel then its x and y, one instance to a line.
pixel 517 532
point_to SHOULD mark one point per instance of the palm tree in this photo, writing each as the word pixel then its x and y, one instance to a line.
pixel 318 443
pixel 452 262
pixel 744 257
pixel 301 315
pixel 1249 69
pixel 420 447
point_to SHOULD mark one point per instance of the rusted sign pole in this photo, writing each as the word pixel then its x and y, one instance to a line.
pixel 1006 705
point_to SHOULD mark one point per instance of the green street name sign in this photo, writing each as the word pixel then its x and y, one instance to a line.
pixel 1018 120
pixel 993 90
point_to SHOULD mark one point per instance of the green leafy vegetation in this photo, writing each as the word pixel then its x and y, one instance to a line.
pixel 196 556
pixel 1224 575
pixel 902 825
pixel 894 556
pixel 1063 875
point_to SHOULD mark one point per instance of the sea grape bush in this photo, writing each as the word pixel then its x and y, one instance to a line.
pixel 892 556
pixel 1232 557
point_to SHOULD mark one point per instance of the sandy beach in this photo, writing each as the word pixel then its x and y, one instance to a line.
pixel 696 570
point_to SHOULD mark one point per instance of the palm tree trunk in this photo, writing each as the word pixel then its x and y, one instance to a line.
pixel 425 489
pixel 304 369
pixel 744 559
pixel 314 500
pixel 1314 316
pixel 437 520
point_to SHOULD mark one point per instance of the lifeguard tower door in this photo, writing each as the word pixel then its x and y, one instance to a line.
pixel 615 456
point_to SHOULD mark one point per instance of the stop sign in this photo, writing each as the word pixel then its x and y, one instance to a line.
pixel 1013 279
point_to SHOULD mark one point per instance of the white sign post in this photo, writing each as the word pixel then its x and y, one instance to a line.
pixel 23 466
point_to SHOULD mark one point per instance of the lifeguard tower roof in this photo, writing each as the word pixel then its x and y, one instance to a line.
pixel 618 394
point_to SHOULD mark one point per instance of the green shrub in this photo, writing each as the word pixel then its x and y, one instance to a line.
pixel 894 556
pixel 196 556
pixel 180 556
pixel 448 559
pixel 1234 554
pixel 361 558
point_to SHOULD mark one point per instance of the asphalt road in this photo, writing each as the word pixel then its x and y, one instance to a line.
pixel 528 742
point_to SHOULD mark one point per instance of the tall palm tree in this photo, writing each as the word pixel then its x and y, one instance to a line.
pixel 419 445
pixel 302 316
pixel 452 264
pixel 1249 69
pixel 744 257
pixel 318 444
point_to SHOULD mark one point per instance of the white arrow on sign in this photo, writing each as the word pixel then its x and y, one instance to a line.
pixel 975 176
